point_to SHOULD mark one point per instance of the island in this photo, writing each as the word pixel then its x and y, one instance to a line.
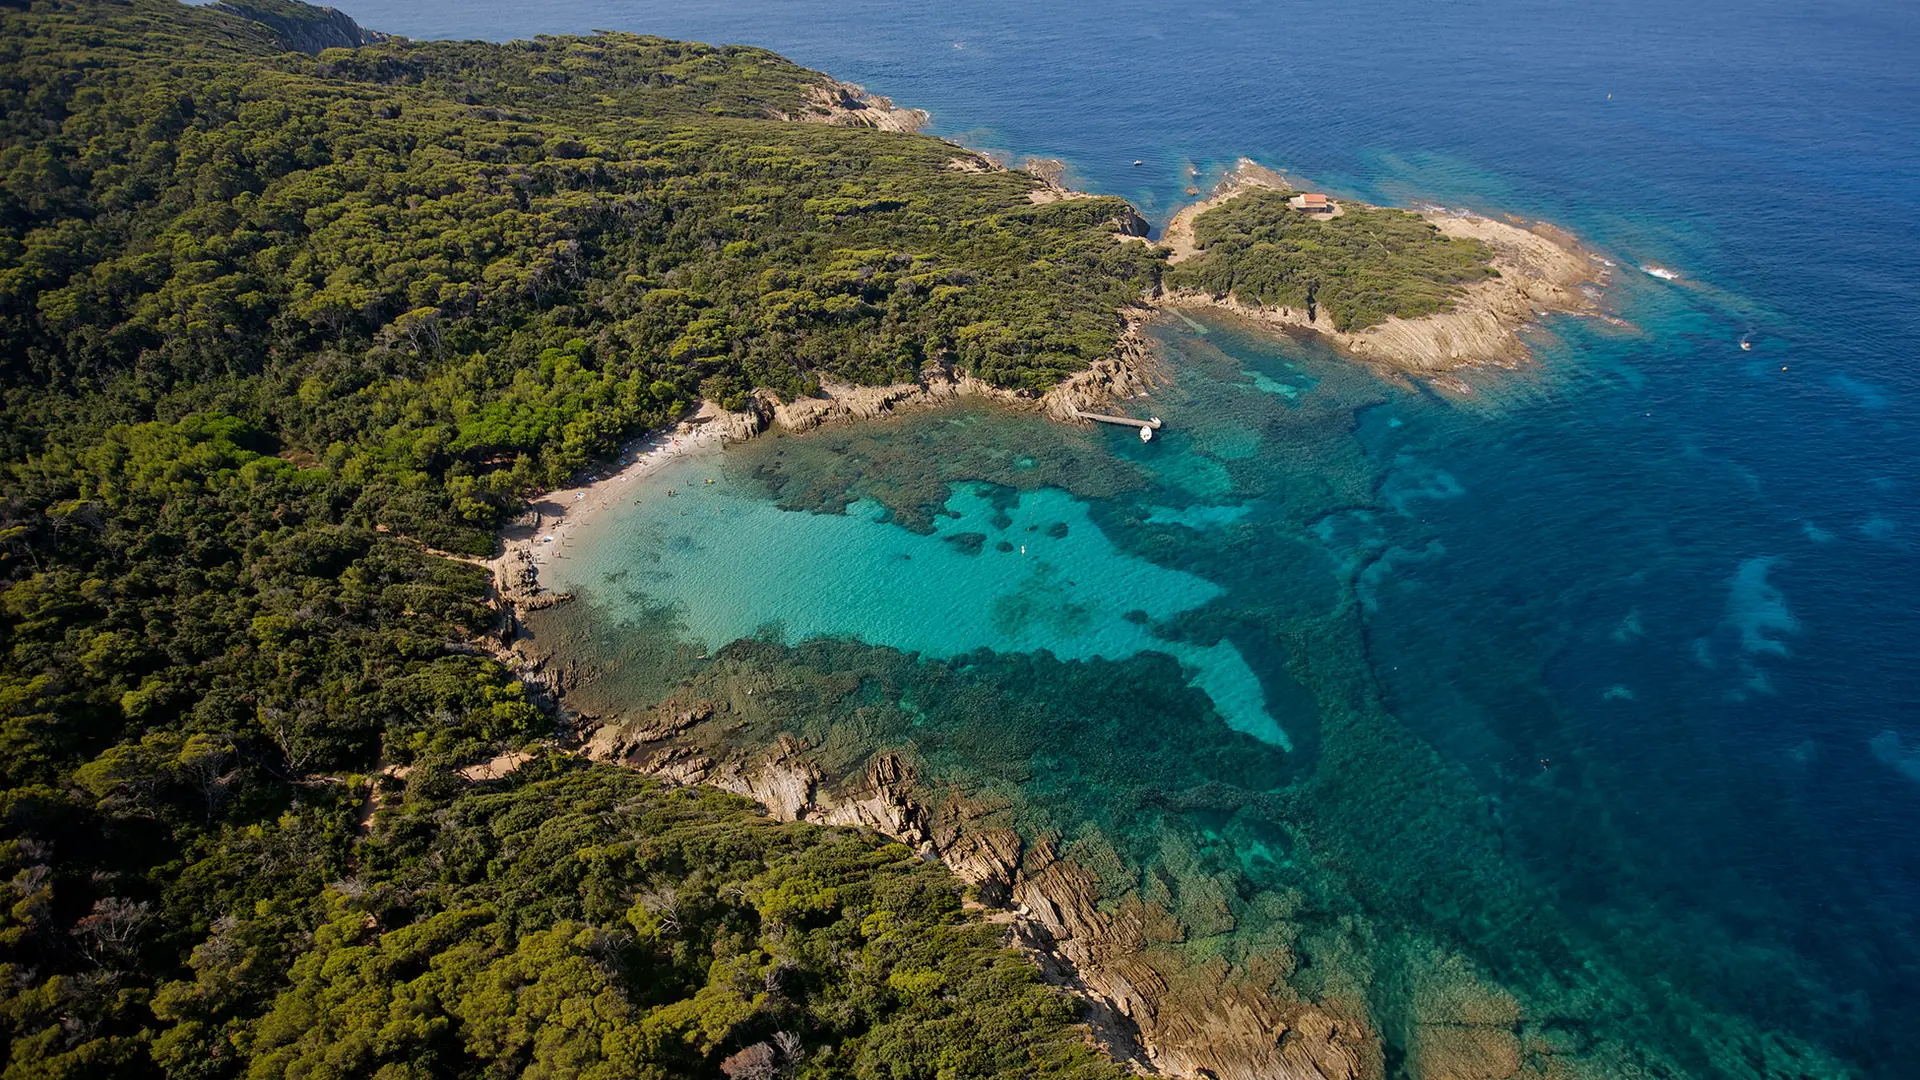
pixel 1422 293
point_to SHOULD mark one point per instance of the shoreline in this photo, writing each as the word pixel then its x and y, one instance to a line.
pixel 1140 1015
pixel 1543 270
pixel 540 535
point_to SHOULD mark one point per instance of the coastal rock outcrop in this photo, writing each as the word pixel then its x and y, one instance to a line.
pixel 1541 270
pixel 1128 372
pixel 301 28
pixel 850 105
pixel 1146 1006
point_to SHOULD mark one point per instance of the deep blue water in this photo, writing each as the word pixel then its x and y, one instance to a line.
pixel 1691 568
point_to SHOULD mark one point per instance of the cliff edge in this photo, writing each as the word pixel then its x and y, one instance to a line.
pixel 303 27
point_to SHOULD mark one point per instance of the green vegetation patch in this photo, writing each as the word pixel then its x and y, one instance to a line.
pixel 587 922
pixel 1363 267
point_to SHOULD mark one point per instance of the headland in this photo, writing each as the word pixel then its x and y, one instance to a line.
pixel 1536 269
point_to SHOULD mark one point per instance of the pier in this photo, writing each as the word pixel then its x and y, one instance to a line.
pixel 1147 427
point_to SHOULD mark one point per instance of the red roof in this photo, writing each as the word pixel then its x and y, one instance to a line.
pixel 1314 200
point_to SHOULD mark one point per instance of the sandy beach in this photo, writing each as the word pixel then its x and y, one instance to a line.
pixel 543 534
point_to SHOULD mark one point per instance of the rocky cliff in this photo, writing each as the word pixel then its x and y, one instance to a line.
pixel 849 105
pixel 303 27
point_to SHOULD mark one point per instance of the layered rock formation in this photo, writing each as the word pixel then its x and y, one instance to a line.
pixel 1143 1009
pixel 301 28
pixel 850 105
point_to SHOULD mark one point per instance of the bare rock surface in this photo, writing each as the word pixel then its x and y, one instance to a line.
pixel 850 105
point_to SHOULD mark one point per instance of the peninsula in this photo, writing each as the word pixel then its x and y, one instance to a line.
pixel 1422 293
pixel 1419 293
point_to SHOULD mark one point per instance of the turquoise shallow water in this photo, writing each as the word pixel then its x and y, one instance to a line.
pixel 1004 570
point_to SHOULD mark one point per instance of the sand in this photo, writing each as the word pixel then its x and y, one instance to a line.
pixel 544 533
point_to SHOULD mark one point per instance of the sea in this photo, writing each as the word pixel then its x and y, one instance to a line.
pixel 1610 665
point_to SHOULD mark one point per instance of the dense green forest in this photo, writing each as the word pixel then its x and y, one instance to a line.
pixel 273 318
pixel 589 923
pixel 1362 267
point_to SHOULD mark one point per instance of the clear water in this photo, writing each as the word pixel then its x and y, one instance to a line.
pixel 1651 607
pixel 1021 573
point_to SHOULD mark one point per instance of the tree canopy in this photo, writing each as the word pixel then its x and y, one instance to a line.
pixel 1362 267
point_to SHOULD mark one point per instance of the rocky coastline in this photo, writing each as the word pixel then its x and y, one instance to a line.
pixel 1128 372
pixel 851 105
pixel 1148 1005
pixel 1542 271
pixel 1141 1010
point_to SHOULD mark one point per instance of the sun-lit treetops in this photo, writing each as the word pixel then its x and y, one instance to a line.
pixel 587 923
pixel 1362 267
pixel 371 218
pixel 269 320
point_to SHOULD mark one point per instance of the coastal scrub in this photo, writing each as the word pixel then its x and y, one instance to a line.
pixel 1363 267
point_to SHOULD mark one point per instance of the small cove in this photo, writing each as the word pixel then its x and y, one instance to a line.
pixel 1003 570
pixel 1290 556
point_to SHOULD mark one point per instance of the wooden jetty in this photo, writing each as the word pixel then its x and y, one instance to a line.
pixel 1147 427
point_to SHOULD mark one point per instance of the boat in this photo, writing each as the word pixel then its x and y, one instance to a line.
pixel 1146 434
